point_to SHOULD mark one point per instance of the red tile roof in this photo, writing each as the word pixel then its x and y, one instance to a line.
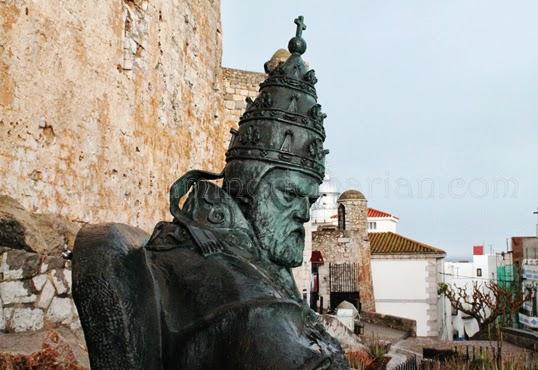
pixel 372 212
pixel 391 243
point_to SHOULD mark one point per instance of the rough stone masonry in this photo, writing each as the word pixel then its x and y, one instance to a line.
pixel 104 104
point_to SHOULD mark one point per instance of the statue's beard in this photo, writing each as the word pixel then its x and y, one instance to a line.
pixel 284 250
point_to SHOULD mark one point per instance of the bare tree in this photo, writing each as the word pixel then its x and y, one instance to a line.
pixel 485 302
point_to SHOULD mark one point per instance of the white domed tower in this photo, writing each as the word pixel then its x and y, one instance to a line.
pixel 324 211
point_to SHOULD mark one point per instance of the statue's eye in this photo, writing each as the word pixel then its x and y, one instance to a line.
pixel 289 195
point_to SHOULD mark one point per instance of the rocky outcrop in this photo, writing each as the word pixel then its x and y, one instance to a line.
pixel 45 234
pixel 39 324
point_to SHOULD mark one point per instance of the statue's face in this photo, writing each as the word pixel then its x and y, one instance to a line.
pixel 278 211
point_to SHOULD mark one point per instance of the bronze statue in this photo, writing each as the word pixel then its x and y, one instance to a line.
pixel 213 289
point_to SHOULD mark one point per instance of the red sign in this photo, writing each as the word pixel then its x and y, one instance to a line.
pixel 316 258
pixel 478 250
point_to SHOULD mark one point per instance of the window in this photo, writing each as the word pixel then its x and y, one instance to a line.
pixel 341 217
pixel 372 225
pixel 478 272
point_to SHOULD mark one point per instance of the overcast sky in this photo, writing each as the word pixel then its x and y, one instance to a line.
pixel 432 105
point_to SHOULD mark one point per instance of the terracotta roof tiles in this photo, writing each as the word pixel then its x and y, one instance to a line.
pixel 391 243
pixel 372 212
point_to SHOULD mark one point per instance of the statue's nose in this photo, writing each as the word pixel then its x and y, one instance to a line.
pixel 302 213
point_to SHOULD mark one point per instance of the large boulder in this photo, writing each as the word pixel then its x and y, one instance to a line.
pixel 45 234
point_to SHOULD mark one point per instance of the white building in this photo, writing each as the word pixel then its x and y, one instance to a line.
pixel 406 274
pixel 465 274
pixel 379 221
pixel 325 210
pixel 303 273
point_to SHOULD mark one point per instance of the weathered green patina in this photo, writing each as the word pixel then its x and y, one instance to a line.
pixel 213 289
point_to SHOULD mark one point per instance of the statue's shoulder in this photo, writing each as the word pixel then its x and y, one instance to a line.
pixel 230 275
pixel 209 222
pixel 170 235
pixel 209 248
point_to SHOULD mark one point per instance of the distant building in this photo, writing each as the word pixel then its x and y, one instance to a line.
pixel 358 256
pixel 406 274
pixel 464 274
pixel 303 273
pixel 526 247
pixel 341 256
pixel 324 211
pixel 379 221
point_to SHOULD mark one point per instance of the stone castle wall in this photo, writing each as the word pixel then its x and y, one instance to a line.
pixel 104 104
pixel 238 85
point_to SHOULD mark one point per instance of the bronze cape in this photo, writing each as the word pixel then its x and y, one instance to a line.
pixel 165 305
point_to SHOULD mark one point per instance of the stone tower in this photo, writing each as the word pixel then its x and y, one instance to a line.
pixel 353 212
pixel 352 220
pixel 346 250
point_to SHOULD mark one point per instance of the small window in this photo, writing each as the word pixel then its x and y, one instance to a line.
pixel 478 272
pixel 372 225
pixel 341 217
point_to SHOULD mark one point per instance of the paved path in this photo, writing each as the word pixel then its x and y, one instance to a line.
pixel 403 346
pixel 382 332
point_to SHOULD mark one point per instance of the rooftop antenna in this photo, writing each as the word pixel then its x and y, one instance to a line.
pixel 536 213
